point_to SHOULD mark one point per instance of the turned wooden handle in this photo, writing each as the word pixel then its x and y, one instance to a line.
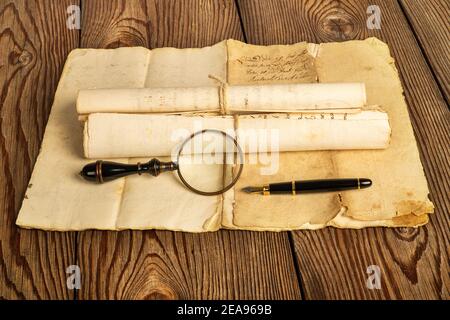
pixel 103 171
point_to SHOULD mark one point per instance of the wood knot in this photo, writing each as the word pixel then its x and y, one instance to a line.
pixel 407 246
pixel 13 57
pixel 338 26
pixel 25 58
pixel 20 58
pixel 123 37
pixel 407 234
pixel 161 294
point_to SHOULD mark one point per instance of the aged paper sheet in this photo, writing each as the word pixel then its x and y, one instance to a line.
pixel 250 64
pixel 401 188
pixel 58 199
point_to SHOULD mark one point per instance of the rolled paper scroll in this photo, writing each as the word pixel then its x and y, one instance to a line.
pixel 112 135
pixel 108 135
pixel 310 97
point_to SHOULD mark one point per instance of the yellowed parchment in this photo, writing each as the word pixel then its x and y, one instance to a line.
pixel 58 199
pixel 251 64
pixel 399 188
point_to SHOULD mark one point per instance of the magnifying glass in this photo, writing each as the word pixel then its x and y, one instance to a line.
pixel 209 162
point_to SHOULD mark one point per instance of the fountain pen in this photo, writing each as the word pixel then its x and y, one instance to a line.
pixel 310 186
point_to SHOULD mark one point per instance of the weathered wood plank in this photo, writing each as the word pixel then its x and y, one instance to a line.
pixel 429 19
pixel 173 265
pixel 192 23
pixel 34 42
pixel 113 24
pixel 176 265
pixel 156 24
pixel 333 263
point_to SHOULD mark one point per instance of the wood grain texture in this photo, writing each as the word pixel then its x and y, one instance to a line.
pixel 430 22
pixel 113 24
pixel 164 264
pixel 333 263
pixel 192 23
pixel 176 265
pixel 34 43
pixel 156 24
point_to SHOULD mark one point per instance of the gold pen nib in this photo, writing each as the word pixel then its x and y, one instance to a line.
pixel 251 189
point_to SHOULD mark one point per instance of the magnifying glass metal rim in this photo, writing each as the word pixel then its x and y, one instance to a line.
pixel 235 179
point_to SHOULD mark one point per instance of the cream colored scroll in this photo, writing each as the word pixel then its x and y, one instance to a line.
pixel 148 100
pixel 254 98
pixel 109 135
pixel 296 97
pixel 326 131
pixel 112 135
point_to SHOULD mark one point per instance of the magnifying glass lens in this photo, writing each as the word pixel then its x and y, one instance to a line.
pixel 209 162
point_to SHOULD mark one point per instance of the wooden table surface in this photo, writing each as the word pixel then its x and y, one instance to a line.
pixel 323 264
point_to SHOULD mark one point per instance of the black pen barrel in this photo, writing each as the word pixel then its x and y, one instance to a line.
pixel 323 185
